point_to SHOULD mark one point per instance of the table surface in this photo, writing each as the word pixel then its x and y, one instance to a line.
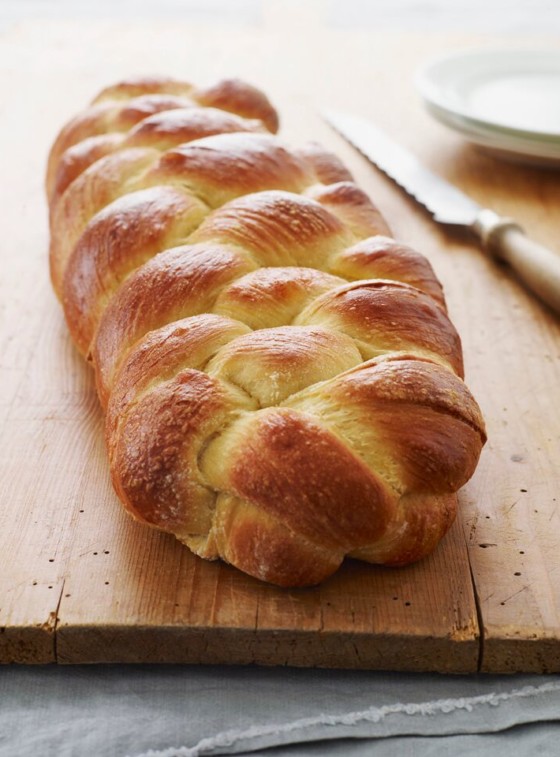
pixel 527 18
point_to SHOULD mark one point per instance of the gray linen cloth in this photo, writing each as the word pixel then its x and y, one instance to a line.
pixel 187 711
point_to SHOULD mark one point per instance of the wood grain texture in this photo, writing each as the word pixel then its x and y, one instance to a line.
pixel 83 582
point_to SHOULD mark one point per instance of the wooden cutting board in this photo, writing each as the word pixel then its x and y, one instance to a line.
pixel 81 582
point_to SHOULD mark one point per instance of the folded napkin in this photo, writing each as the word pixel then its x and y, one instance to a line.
pixel 187 711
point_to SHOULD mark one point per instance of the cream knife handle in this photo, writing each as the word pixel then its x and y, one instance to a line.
pixel 537 266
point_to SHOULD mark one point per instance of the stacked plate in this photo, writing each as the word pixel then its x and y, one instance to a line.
pixel 506 101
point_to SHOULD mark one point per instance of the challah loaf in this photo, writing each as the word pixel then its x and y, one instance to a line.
pixel 282 384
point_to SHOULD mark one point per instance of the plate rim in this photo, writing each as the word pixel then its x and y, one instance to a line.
pixel 530 150
pixel 433 94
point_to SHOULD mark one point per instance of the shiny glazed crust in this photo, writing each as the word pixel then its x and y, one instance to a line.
pixel 282 383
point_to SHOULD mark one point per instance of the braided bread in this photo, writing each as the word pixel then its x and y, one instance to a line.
pixel 282 384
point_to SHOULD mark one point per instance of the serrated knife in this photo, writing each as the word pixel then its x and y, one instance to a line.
pixel 535 265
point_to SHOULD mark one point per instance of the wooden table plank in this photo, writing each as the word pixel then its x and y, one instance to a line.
pixel 122 592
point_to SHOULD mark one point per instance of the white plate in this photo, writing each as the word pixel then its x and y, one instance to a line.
pixel 507 101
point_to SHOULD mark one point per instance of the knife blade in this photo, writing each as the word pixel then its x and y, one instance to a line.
pixel 536 266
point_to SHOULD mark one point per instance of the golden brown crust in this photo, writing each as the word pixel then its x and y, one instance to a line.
pixel 278 228
pixel 343 505
pixel 80 156
pixel 352 207
pixel 103 182
pixel 225 166
pixel 201 168
pixel 239 97
pixel 161 354
pixel 271 297
pixel 411 419
pixel 154 455
pixel 117 241
pixel 388 316
pixel 120 107
pixel 180 282
pixel 289 358
pixel 282 382
pixel 421 521
pixel 106 118
pixel 328 167
pixel 262 546
pixel 175 127
pixel 167 128
pixel 136 86
pixel 381 257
